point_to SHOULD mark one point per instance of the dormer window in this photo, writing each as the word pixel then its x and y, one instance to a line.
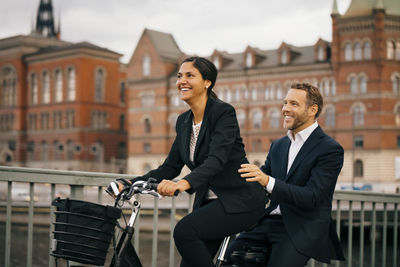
pixel 146 65
pixel 320 53
pixel 284 59
pixel 216 62
pixel 249 60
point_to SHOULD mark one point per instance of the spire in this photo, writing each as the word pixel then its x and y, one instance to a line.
pixel 45 19
pixel 335 8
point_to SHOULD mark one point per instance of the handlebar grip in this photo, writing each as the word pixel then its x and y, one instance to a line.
pixel 153 186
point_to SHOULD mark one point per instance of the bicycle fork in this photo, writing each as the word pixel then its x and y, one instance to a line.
pixel 221 256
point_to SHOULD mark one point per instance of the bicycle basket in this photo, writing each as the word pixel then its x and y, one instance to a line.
pixel 83 230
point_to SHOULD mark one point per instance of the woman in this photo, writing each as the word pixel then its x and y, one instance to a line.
pixel 208 141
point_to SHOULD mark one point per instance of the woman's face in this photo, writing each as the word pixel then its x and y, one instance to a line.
pixel 190 84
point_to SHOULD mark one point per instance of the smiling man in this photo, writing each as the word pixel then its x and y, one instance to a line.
pixel 300 175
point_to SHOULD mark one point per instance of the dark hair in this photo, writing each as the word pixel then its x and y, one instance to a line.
pixel 207 70
pixel 313 95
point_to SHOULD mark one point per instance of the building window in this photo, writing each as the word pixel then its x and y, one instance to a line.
pixel 70 120
pixel 358 168
pixel 397 115
pixel 363 84
pixel 148 99
pixel 357 51
pixel 57 117
pixel 348 52
pixel 99 85
pixel 330 119
pixel 398 50
pixel 44 120
pixel 70 150
pixel 358 141
pixel 122 92
pixel 358 116
pixel 274 119
pixel 353 85
pixel 32 121
pixel 249 60
pixel 398 141
pixel 367 50
pixel 121 152
pixel 34 89
pixel 8 87
pixel 333 87
pixel 146 147
pixel 390 49
pixel 31 150
pixel 46 88
pixel 284 59
pixel 99 119
pixel 257 119
pixel 241 117
pixel 122 122
pixel 58 87
pixel 256 145
pixel 320 53
pixel 71 84
pixel 44 151
pixel 396 84
pixel 146 65
pixel 147 125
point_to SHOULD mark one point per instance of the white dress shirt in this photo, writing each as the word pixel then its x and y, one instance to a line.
pixel 296 143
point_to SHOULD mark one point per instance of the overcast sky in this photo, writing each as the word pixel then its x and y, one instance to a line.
pixel 198 26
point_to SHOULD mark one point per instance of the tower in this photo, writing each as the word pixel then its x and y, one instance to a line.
pixel 45 20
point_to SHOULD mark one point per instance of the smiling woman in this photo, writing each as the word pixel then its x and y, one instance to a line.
pixel 208 142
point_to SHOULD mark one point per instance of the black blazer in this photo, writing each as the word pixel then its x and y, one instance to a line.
pixel 305 193
pixel 218 154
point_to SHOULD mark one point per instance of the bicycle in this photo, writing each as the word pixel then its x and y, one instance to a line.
pixel 124 254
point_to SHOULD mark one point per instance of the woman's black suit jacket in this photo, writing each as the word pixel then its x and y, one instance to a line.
pixel 218 154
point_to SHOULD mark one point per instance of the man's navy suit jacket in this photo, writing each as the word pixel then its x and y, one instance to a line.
pixel 305 192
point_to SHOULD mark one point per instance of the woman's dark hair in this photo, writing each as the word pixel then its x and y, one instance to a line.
pixel 207 70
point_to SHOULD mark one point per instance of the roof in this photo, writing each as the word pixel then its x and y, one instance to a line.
pixel 165 45
pixel 365 7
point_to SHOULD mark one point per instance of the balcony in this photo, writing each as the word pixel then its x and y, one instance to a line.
pixel 367 223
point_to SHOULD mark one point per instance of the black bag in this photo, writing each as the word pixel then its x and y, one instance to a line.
pixel 83 230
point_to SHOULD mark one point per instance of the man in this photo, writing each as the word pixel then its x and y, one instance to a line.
pixel 300 175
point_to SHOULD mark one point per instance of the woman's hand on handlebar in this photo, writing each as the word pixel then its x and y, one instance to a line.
pixel 168 187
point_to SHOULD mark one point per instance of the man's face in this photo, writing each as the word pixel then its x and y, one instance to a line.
pixel 296 115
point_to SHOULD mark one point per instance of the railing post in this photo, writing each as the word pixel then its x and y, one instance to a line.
pixel 30 224
pixel 52 219
pixel 155 234
pixel 350 235
pixel 338 223
pixel 373 234
pixel 395 232
pixel 8 225
pixel 362 234
pixel 384 238
pixel 171 234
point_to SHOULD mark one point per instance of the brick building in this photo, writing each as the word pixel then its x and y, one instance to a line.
pixel 62 104
pixel 358 74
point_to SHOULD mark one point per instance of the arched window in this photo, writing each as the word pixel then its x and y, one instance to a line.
pixel 57 150
pixel 279 92
pixel 274 119
pixel 58 86
pixel 31 150
pixel 363 84
pixel 254 93
pixel 122 122
pixel 147 125
pixel 390 49
pixel 34 89
pixel 348 52
pixel 357 51
pixel 237 94
pixel 121 151
pixel 330 119
pixel 257 119
pixel 367 50
pixel 8 87
pixel 46 87
pixel 267 92
pixel 99 85
pixel 284 59
pixel 320 53
pixel 353 85
pixel 358 115
pixel 358 168
pixel 122 92
pixel 228 95
pixel 146 65
pixel 71 84
pixel 333 87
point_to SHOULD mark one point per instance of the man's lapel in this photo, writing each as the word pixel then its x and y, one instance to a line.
pixel 311 142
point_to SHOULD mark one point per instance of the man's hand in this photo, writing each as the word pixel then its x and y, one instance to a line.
pixel 252 173
pixel 168 187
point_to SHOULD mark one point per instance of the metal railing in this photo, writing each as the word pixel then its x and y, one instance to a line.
pixel 375 215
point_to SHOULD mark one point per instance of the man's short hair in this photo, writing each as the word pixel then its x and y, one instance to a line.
pixel 313 95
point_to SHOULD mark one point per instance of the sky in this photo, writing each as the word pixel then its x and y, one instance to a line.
pixel 198 26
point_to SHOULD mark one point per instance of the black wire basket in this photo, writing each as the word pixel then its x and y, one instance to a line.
pixel 83 230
